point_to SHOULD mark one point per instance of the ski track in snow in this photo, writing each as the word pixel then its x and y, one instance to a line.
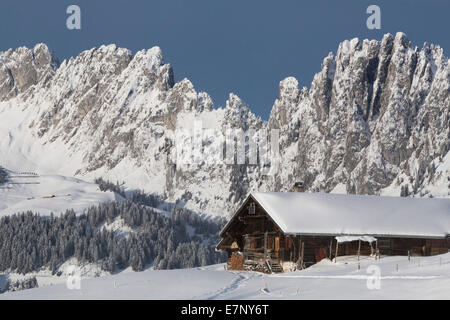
pixel 238 282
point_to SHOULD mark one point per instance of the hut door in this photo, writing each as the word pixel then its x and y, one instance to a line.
pixel 321 254
pixel 277 246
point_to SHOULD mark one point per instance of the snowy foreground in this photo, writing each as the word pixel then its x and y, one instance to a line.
pixel 420 278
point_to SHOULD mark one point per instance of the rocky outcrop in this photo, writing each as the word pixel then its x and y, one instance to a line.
pixel 22 68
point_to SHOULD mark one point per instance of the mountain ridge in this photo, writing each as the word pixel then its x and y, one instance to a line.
pixel 374 121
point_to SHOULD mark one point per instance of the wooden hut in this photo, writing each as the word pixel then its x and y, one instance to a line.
pixel 281 231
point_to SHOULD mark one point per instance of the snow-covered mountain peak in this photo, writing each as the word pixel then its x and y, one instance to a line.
pixel 402 40
pixel 237 115
pixel 234 102
pixel 205 102
pixel 289 89
pixel 23 67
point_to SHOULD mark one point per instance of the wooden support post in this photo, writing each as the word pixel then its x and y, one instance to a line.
pixel 267 260
pixel 359 248
pixel 303 254
pixel 299 251
pixel 293 250
pixel 331 247
pixel 265 246
pixel 300 260
pixel 376 250
pixel 337 247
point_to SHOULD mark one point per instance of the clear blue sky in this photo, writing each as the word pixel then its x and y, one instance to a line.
pixel 240 46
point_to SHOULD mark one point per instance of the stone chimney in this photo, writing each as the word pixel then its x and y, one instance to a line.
pixel 299 186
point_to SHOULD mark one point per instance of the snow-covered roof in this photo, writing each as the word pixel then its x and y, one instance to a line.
pixel 342 239
pixel 338 214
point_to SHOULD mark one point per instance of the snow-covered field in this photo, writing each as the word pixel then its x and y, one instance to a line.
pixel 420 278
pixel 49 193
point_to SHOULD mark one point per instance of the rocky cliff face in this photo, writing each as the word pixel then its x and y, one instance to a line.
pixel 376 116
pixel 375 120
pixel 23 68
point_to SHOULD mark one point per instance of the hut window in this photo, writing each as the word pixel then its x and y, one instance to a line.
pixel 251 208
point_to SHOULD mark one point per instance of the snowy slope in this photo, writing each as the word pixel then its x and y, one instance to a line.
pixel 420 278
pixel 28 191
